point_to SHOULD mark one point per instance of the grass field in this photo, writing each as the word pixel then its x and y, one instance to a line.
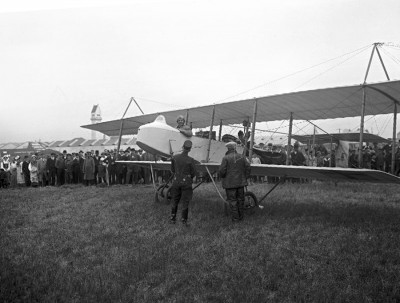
pixel 312 243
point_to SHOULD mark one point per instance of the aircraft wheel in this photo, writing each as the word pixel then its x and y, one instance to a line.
pixel 167 195
pixel 160 193
pixel 250 200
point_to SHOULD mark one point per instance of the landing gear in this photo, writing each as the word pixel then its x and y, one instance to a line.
pixel 250 200
pixel 163 194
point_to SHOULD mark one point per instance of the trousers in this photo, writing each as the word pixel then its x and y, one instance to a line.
pixel 181 194
pixel 235 198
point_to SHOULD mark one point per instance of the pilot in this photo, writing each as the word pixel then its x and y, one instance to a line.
pixel 183 128
pixel 184 170
pixel 234 170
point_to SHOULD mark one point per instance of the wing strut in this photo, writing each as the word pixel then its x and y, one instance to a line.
pixel 122 125
pixel 253 128
pixel 216 188
pixel 152 177
pixel 282 180
pixel 210 135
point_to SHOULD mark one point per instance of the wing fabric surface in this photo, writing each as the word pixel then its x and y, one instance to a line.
pixel 309 172
pixel 327 103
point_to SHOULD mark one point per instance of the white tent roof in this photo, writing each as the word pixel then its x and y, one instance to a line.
pixel 328 103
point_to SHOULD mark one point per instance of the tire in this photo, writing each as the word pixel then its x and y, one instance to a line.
pixel 160 193
pixel 250 200
pixel 167 195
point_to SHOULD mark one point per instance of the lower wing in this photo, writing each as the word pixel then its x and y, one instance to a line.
pixel 309 172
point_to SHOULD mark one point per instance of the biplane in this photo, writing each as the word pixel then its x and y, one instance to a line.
pixel 156 135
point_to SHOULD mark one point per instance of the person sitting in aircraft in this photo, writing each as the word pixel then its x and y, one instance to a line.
pixel 183 128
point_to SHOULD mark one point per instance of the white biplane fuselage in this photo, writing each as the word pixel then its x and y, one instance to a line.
pixel 159 138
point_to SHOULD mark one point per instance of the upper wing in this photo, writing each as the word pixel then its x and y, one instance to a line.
pixel 309 172
pixel 327 103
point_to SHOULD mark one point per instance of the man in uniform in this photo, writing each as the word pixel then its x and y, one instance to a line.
pixel 184 170
pixel 183 128
pixel 234 171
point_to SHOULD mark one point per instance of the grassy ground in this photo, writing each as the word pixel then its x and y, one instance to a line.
pixel 312 243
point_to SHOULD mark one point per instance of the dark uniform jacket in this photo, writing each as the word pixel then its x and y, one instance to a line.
pixel 183 166
pixel 234 170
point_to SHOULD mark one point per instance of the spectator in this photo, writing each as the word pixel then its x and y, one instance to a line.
pixel 353 160
pixel 60 166
pixel 297 156
pixel 96 159
pixel 112 169
pixel 69 169
pixel 42 170
pixel 13 173
pixel 5 166
pixel 33 169
pixel 81 161
pixel 88 169
pixel 20 174
pixel 26 172
pixel 380 159
pixel 101 171
pixel 120 168
pixel 51 169
pixel 76 171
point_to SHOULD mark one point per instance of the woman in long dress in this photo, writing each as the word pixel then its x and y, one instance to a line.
pixel 13 173
pixel 33 168
pixel 20 174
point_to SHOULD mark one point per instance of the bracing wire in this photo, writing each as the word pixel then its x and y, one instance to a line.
pixel 329 69
pixel 391 56
pixel 176 106
pixel 377 126
pixel 365 121
pixel 276 130
pixel 300 129
pixel 387 122
pixel 295 73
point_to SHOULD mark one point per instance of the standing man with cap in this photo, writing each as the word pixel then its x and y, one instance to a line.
pixel 184 170
pixel 234 171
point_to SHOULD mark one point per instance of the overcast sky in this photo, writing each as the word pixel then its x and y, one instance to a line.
pixel 59 58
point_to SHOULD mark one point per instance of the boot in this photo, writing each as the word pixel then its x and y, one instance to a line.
pixel 185 216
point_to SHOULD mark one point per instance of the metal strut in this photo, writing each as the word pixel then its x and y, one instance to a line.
pixel 282 180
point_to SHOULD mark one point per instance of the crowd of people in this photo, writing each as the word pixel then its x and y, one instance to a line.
pixel 95 168
pixel 89 168
pixel 373 157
